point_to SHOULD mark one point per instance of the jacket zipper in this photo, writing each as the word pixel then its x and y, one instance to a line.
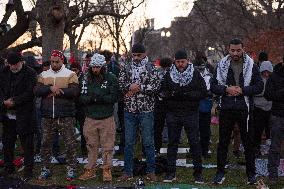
pixel 53 99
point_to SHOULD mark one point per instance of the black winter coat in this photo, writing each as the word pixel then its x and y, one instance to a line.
pixel 274 90
pixel 183 100
pixel 238 102
pixel 19 86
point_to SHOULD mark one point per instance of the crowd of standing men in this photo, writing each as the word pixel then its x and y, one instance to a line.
pixel 178 94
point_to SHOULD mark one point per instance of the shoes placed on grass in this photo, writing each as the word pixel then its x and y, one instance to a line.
pixel 219 178
pixel 151 177
pixel 198 179
pixel 170 177
pixel 88 174
pixel 251 180
pixel 70 175
pixel 44 174
pixel 125 178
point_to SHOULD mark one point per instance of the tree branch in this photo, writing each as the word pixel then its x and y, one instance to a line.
pixel 19 29
pixel 21 47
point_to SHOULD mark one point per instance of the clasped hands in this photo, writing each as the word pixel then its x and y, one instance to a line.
pixel 56 91
pixel 133 89
pixel 234 91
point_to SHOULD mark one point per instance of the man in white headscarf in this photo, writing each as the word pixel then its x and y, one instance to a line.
pixel 98 95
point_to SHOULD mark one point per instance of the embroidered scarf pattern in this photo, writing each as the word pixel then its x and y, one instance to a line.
pixel 182 78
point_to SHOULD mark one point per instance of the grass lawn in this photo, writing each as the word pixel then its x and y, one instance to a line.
pixel 234 177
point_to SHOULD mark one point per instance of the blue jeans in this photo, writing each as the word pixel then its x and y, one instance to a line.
pixel 146 122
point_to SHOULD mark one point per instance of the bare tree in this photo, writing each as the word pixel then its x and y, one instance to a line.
pixel 55 17
pixel 239 18
pixel 115 25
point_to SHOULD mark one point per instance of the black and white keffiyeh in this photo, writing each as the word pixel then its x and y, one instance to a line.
pixel 182 78
pixel 222 73
pixel 138 68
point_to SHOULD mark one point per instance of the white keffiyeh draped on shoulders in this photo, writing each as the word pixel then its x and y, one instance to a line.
pixel 224 65
pixel 182 78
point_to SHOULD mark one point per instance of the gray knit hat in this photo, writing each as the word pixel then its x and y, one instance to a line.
pixel 266 66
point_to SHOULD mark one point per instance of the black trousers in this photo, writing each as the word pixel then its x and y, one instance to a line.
pixel 227 120
pixel 175 123
pixel 261 120
pixel 277 137
pixel 205 130
pixel 159 124
pixel 9 139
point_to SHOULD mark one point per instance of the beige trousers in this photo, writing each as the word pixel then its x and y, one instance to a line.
pixel 99 133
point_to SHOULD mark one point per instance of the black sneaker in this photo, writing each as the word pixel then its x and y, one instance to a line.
pixel 198 179
pixel 170 177
pixel 219 178
pixel 252 180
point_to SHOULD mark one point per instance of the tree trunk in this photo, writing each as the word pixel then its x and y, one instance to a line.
pixel 117 21
pixel 52 39
pixel 52 27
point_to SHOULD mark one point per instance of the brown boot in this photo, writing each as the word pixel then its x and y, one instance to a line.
pixel 88 174
pixel 107 176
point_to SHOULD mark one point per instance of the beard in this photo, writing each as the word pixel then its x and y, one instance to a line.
pixel 16 70
pixel 96 73
pixel 236 58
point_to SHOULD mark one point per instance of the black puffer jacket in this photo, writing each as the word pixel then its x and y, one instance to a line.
pixel 274 90
pixel 238 102
pixel 183 99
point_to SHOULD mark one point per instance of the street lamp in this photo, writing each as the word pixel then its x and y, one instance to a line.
pixel 211 48
pixel 168 34
pixel 165 33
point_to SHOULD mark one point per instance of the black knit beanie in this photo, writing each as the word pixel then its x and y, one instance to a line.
pixel 180 54
pixel 138 48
